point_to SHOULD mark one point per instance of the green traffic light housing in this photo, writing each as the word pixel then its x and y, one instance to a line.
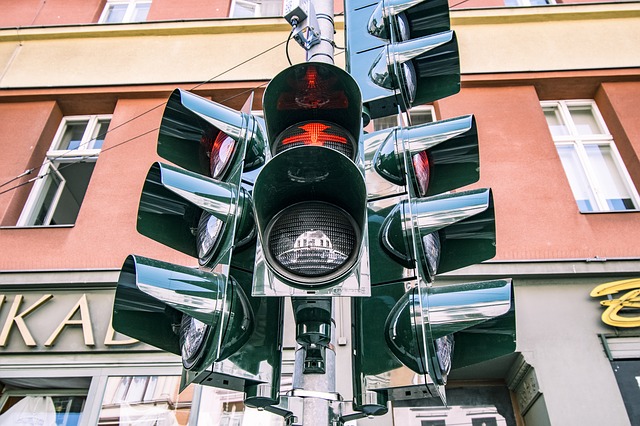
pixel 153 297
pixel 226 337
pixel 440 156
pixel 401 54
pixel 194 214
pixel 424 334
pixel 209 138
pixel 312 239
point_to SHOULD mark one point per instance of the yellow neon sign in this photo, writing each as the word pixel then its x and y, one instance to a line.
pixel 628 301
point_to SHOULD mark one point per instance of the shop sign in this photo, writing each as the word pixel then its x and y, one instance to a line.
pixel 60 322
pixel 622 304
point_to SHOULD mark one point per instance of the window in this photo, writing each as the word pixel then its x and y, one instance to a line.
pixel 125 11
pixel 56 197
pixel 418 115
pixel 597 176
pixel 145 400
pixel 250 8
pixel 42 407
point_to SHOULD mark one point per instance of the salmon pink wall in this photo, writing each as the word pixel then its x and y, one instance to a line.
pixel 537 216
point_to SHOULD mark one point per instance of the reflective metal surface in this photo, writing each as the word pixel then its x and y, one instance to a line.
pixel 189 118
pixel 401 54
pixel 403 338
pixel 451 146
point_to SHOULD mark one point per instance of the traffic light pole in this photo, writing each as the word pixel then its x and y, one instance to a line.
pixel 318 389
pixel 323 51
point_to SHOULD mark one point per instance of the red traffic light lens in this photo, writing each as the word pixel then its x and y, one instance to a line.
pixel 422 170
pixel 312 239
pixel 316 133
pixel 220 151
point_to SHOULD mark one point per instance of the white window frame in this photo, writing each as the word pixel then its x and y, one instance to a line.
pixel 406 117
pixel 86 152
pixel 255 4
pixel 579 142
pixel 129 13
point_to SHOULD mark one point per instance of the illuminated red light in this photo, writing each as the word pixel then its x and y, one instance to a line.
pixel 421 167
pixel 311 77
pixel 314 134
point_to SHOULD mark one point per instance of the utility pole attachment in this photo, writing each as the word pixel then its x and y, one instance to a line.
pixel 313 27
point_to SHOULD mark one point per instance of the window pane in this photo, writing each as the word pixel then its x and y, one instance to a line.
pixel 244 9
pixel 166 408
pixel 115 13
pixel 385 122
pixel 271 8
pixel 72 136
pixel 140 13
pixel 627 374
pixel 421 117
pixel 99 133
pixel 50 188
pixel 42 410
pixel 584 120
pixel 77 176
pixel 577 178
pixel 610 182
pixel 556 124
pixel 224 407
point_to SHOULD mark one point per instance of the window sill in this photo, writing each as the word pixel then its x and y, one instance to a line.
pixel 611 211
pixel 37 226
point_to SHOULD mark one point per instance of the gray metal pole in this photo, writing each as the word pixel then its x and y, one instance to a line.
pixel 323 51
pixel 318 390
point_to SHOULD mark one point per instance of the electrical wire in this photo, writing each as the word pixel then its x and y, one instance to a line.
pixel 294 25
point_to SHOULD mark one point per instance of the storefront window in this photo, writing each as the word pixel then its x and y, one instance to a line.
pixel 146 400
pixel 59 410
pixel 219 407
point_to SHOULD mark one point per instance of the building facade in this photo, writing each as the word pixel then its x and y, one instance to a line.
pixel 554 88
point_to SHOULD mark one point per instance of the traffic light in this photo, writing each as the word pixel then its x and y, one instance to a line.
pixel 310 201
pixel 226 337
pixel 401 53
pixel 310 197
pixel 411 332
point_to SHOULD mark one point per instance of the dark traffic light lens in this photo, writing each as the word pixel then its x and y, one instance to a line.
pixel 431 246
pixel 209 232
pixel 192 336
pixel 312 239
pixel 316 133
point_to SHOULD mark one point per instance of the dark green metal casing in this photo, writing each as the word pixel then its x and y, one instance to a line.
pixel 188 118
pixel 397 327
pixel 411 331
pixel 311 92
pixel 242 346
pixel 386 39
pixel 451 146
